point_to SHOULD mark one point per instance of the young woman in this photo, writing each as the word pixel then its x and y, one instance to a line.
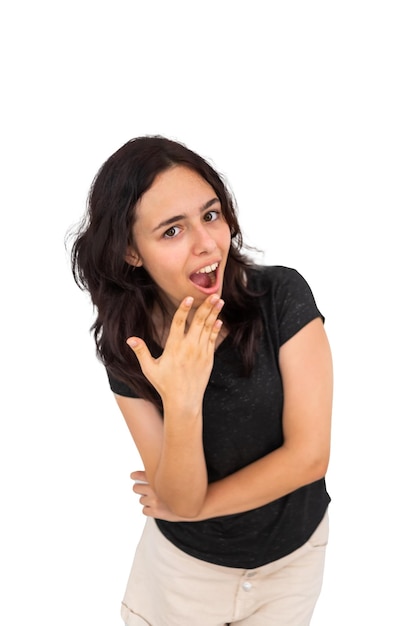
pixel 223 373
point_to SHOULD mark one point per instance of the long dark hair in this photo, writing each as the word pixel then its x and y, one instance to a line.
pixel 124 296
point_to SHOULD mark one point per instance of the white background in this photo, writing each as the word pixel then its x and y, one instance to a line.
pixel 309 110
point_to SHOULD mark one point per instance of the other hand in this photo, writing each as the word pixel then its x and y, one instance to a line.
pixel 152 506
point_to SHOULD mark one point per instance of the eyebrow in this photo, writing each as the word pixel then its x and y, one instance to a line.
pixel 176 218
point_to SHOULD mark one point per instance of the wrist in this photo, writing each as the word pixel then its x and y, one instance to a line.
pixel 185 410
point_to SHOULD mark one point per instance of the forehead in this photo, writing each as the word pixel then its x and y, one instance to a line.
pixel 178 189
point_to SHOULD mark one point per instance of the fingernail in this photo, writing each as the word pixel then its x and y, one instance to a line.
pixel 132 342
pixel 188 301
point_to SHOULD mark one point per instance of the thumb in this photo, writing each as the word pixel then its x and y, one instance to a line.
pixel 140 348
pixel 143 355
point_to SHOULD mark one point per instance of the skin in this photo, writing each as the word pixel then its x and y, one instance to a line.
pixel 178 230
pixel 175 483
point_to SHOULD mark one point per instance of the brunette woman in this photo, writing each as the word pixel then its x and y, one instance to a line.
pixel 223 373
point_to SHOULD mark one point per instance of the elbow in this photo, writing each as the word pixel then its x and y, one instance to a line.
pixel 316 467
pixel 185 501
pixel 186 505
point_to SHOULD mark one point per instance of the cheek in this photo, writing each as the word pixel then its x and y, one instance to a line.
pixel 226 239
pixel 165 262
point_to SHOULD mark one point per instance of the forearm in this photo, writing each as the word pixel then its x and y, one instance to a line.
pixel 262 482
pixel 256 485
pixel 180 479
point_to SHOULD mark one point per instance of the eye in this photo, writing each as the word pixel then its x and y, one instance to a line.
pixel 211 216
pixel 171 232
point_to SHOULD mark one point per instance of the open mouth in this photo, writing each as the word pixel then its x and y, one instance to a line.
pixel 206 277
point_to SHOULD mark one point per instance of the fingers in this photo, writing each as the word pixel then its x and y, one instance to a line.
pixel 205 315
pixel 142 489
pixel 146 493
pixel 139 475
pixel 205 323
pixel 140 481
pixel 181 314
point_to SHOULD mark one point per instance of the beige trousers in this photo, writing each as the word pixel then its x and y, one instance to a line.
pixel 167 587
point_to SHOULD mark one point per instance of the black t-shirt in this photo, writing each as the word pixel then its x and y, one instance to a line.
pixel 242 422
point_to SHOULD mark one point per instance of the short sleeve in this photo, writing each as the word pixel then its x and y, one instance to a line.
pixel 296 305
pixel 120 388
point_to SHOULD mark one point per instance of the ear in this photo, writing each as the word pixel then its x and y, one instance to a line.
pixel 133 258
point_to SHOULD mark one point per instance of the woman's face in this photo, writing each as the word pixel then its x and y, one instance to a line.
pixel 182 236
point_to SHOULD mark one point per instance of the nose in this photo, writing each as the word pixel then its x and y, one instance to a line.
pixel 203 242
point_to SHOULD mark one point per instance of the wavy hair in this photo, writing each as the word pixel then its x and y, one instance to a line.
pixel 124 296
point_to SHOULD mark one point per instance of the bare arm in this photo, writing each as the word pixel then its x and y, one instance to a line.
pixel 172 448
pixel 306 368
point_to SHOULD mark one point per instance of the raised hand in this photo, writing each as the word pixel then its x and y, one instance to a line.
pixel 183 369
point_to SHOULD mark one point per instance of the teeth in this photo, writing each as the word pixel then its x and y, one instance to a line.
pixel 208 269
